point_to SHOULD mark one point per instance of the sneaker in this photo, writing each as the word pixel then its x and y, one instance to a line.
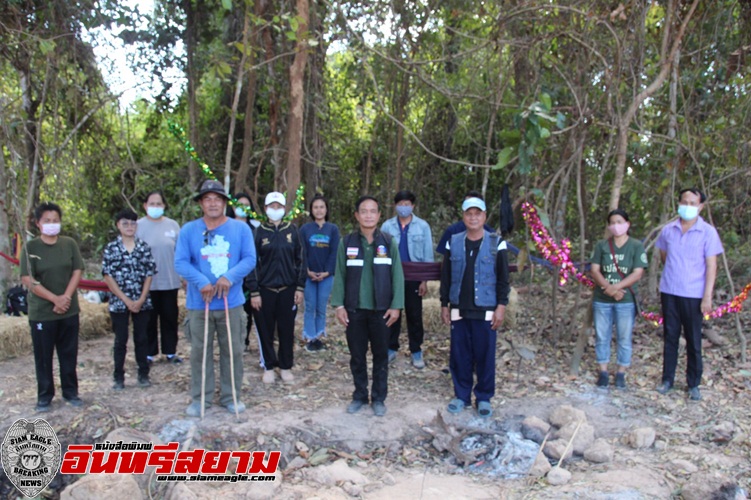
pixel 144 381
pixel 602 380
pixel 74 401
pixel 379 409
pixel 417 360
pixel 231 407
pixel 664 387
pixel 118 386
pixel 150 359
pixel 43 407
pixel 287 376
pixel 355 406
pixel 269 376
pixel 620 380
pixel 174 359
pixel 392 356
pixel 312 346
pixel 694 394
pixel 320 346
pixel 194 409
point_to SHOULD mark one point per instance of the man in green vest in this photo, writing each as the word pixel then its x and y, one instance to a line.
pixel 368 295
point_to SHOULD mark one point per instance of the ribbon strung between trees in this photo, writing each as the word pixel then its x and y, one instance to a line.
pixel 298 207
pixel 560 256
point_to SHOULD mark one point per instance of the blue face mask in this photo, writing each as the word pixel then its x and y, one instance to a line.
pixel 404 211
pixel 155 212
pixel 687 212
pixel 240 212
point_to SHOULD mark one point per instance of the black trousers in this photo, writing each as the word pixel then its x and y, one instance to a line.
pixel 368 327
pixel 46 337
pixel 278 310
pixel 140 340
pixel 164 315
pixel 683 312
pixel 413 311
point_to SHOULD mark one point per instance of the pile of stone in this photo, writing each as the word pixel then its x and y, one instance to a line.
pixel 567 433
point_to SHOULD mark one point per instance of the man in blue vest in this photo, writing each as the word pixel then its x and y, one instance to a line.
pixel 368 294
pixel 474 295
pixel 415 242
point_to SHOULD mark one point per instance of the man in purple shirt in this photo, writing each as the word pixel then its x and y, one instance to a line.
pixel 689 247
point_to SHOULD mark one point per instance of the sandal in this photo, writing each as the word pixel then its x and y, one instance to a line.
pixel 456 406
pixel 484 410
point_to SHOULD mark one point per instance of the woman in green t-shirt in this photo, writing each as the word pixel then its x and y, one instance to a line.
pixel 51 268
pixel 617 265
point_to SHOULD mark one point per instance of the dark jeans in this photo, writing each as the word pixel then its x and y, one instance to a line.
pixel 140 340
pixel 46 337
pixel 683 312
pixel 279 311
pixel 472 351
pixel 368 327
pixel 165 315
pixel 413 311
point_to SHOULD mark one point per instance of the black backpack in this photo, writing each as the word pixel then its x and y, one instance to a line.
pixel 15 301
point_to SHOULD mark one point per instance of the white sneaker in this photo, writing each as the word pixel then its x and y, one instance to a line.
pixel 287 376
pixel 269 376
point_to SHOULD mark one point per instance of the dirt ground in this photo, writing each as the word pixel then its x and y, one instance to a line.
pixel 307 421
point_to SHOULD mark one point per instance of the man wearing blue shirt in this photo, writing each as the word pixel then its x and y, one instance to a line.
pixel 213 255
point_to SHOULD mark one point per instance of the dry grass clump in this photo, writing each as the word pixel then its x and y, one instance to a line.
pixel 15 334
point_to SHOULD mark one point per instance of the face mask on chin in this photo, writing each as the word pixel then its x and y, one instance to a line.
pixel 154 212
pixel 275 214
pixel 51 229
pixel 688 212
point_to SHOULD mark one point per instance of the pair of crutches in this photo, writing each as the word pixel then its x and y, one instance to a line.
pixel 231 357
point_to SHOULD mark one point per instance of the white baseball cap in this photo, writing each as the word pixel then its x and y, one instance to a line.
pixel 275 196
pixel 473 203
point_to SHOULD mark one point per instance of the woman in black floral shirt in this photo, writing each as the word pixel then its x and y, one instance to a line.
pixel 128 268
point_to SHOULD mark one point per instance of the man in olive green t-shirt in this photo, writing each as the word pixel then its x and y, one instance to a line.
pixel 51 268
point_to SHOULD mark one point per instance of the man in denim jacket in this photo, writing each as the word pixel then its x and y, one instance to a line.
pixel 474 295
pixel 415 241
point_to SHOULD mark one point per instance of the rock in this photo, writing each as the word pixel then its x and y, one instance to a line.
pixel 601 452
pixel 180 491
pixel 130 435
pixel 554 449
pixel 661 445
pixel 341 472
pixel 714 337
pixel 723 432
pixel 388 479
pixel 585 436
pixel 679 466
pixel 353 490
pixel 535 429
pixel 703 485
pixel 643 437
pixel 565 414
pixel 296 463
pixel 558 476
pixel 96 486
pixel 540 467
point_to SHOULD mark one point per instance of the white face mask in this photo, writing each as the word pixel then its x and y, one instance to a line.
pixel 687 212
pixel 275 214
pixel 51 229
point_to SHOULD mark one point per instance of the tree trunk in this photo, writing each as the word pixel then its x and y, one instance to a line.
pixel 192 74
pixel 315 105
pixel 235 105
pixel 297 103
pixel 624 122
pixel 241 180
pixel 6 271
